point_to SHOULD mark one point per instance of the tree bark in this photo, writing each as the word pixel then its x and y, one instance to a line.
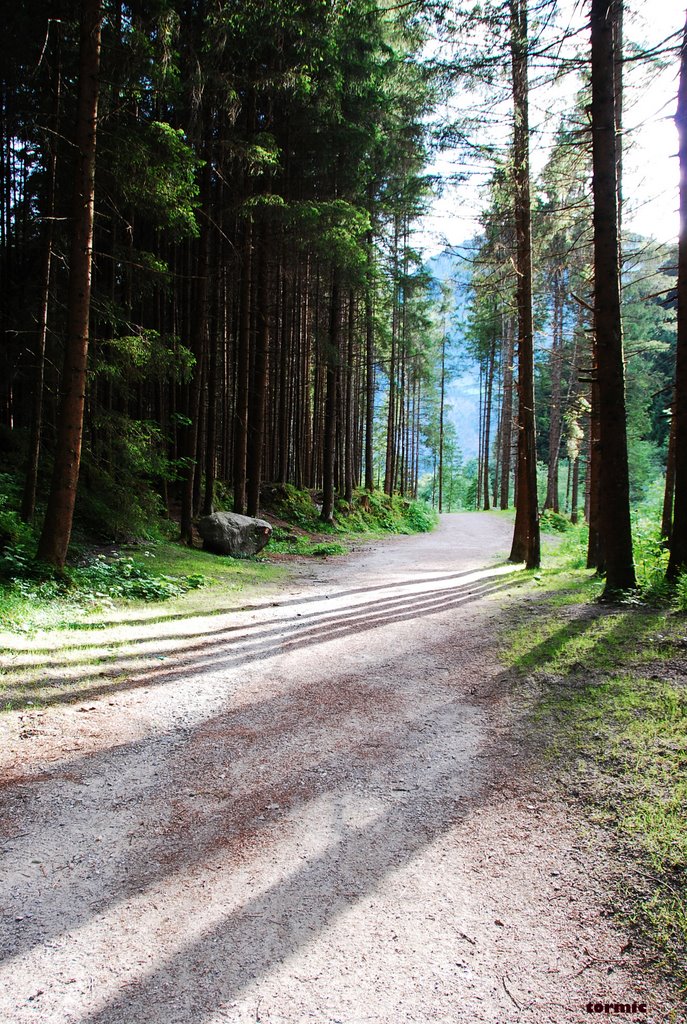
pixel 526 541
pixel 242 362
pixel 256 412
pixel 57 527
pixel 442 392
pixel 491 361
pixel 556 414
pixel 28 505
pixel 678 539
pixel 369 371
pixel 614 486
pixel 332 382
pixel 199 343
pixel 669 492
pixel 390 465
pixel 506 415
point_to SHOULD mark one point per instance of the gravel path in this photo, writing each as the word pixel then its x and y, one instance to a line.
pixel 311 810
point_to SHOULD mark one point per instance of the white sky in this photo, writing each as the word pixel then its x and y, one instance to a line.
pixel 650 184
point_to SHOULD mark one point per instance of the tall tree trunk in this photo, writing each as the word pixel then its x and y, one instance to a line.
pixel 332 381
pixel 678 539
pixel 256 412
pixel 442 393
pixel 28 505
pixel 556 414
pixel 595 553
pixel 669 493
pixel 348 412
pixel 57 527
pixel 526 541
pixel 507 414
pixel 242 363
pixel 199 343
pixel 211 438
pixel 390 465
pixel 614 487
pixel 487 419
pixel 575 490
pixel 369 371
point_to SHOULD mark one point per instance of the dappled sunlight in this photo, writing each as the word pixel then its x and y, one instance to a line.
pixel 277 765
pixel 230 841
pixel 155 655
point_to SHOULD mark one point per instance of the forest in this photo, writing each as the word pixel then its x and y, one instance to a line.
pixel 421 756
pixel 210 282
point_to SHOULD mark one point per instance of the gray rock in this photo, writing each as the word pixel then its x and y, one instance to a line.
pixel 226 533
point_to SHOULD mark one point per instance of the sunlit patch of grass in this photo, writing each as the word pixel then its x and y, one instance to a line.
pixel 618 735
pixel 287 542
pixel 162 578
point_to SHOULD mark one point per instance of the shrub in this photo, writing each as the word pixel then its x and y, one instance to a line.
pixel 681 592
pixel 420 516
pixel 554 522
pixel 129 579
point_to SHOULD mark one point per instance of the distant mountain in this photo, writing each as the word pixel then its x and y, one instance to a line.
pixel 455 265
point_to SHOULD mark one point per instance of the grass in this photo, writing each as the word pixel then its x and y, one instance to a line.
pixel 32 596
pixel 370 515
pixel 612 702
pixel 162 578
pixel 113 612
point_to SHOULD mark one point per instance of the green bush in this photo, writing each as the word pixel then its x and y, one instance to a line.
pixel 129 579
pixel 420 516
pixel 285 502
pixel 554 522
pixel 681 592
pixel 651 555
pixel 117 511
pixel 13 530
pixel 33 592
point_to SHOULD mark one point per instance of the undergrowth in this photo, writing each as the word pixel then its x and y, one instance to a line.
pixel 367 514
pixel 612 702
pixel 33 595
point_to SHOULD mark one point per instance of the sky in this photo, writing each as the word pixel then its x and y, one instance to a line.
pixel 650 184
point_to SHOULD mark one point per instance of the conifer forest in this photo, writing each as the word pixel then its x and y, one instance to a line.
pixel 330 272
pixel 210 280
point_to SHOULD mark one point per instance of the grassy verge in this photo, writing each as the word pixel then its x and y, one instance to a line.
pixel 611 686
pixel 101 580
pixel 114 613
pixel 368 515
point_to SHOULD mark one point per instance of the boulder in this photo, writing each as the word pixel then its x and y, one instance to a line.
pixel 226 533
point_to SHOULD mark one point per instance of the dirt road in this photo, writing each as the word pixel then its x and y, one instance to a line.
pixel 311 810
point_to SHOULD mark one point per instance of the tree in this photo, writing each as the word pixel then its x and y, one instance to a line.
pixel 614 487
pixel 678 538
pixel 57 526
pixel 526 541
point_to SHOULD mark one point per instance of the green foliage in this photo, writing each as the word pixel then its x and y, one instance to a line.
pixel 117 498
pixel 420 517
pixel 33 594
pixel 651 555
pixel 285 542
pixel 680 592
pixel 603 690
pixel 554 522
pixel 155 171
pixel 284 501
pixel 13 531
pixel 129 579
pixel 378 513
pixel 368 513
pixel 134 358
